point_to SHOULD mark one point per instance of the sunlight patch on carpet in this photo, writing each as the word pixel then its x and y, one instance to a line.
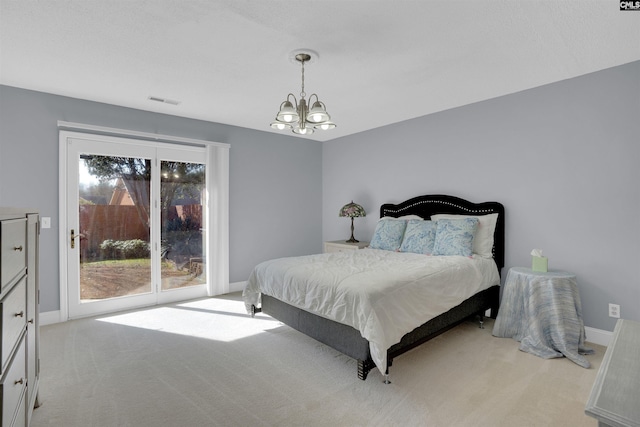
pixel 211 319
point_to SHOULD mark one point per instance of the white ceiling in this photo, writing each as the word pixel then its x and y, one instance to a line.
pixel 380 62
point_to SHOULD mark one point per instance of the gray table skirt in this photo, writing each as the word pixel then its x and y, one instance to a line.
pixel 543 312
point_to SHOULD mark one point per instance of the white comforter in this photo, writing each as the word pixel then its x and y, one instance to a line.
pixel 383 294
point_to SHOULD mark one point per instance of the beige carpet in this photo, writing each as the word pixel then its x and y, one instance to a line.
pixel 206 363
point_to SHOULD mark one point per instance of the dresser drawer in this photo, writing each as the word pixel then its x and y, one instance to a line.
pixel 21 413
pixel 13 249
pixel 13 387
pixel 13 308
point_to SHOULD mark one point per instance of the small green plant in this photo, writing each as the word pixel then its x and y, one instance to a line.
pixel 124 249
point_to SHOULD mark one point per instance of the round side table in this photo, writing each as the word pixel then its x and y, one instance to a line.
pixel 542 310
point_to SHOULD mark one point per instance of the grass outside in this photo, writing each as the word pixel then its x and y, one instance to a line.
pixel 116 278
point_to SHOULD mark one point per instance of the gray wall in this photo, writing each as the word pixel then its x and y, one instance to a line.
pixel 562 158
pixel 275 180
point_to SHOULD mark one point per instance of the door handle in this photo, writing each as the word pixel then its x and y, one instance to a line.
pixel 74 236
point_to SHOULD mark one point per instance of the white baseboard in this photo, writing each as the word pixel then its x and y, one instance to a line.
pixel 237 286
pixel 598 336
pixel 50 317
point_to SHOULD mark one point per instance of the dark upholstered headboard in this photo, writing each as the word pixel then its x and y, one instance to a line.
pixel 425 206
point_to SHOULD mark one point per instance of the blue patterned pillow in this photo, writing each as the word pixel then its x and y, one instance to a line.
pixel 419 237
pixel 455 236
pixel 388 234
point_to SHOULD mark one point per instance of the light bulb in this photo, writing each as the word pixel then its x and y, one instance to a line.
pixel 287 117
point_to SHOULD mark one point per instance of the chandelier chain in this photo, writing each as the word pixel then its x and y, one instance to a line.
pixel 302 94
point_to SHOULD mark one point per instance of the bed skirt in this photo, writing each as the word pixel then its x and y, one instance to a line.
pixel 350 342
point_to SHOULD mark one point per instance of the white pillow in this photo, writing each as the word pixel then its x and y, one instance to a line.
pixel 403 218
pixel 483 240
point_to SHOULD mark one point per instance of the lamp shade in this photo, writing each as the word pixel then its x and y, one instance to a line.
pixel 287 113
pixel 352 210
pixel 318 113
pixel 280 125
pixel 325 125
pixel 303 131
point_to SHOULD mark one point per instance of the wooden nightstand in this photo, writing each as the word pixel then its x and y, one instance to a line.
pixel 341 246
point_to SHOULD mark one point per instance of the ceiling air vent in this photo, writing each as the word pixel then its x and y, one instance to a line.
pixel 164 100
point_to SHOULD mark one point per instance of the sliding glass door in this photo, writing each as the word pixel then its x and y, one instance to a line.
pixel 136 218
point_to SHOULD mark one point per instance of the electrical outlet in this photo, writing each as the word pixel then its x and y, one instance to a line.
pixel 45 222
pixel 614 310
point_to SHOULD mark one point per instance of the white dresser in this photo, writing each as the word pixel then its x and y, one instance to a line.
pixel 341 246
pixel 615 396
pixel 19 360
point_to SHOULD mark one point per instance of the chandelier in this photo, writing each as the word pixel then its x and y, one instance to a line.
pixel 297 115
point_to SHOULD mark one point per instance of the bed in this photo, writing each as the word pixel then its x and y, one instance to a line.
pixel 377 303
